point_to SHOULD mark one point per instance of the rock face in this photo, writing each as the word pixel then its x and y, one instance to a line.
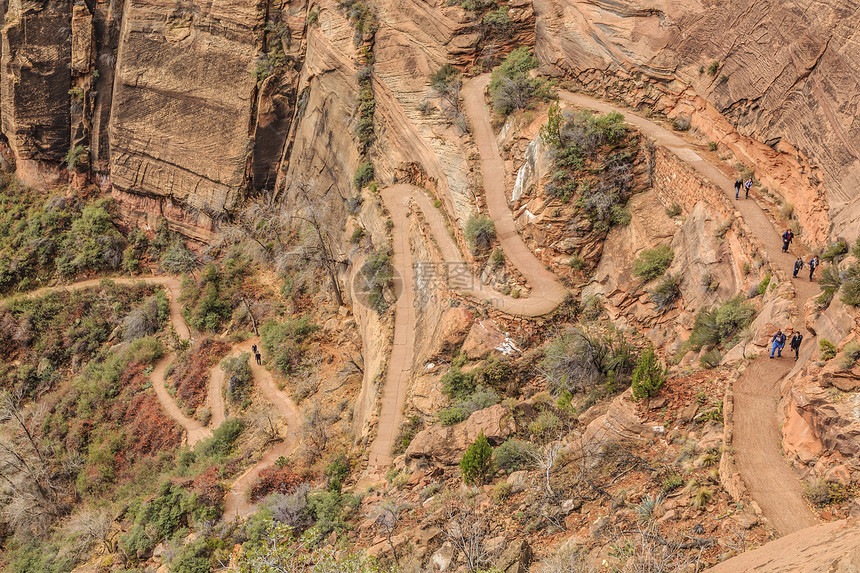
pixel 783 74
pixel 823 548
pixel 35 80
pixel 182 101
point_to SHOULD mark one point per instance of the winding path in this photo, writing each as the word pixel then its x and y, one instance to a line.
pixel 547 292
pixel 757 436
pixel 235 502
pixel 771 482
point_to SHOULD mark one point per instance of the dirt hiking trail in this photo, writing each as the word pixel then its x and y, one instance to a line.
pixel 235 502
pixel 757 436
pixel 547 292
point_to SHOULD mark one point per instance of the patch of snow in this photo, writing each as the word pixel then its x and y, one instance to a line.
pixel 508 347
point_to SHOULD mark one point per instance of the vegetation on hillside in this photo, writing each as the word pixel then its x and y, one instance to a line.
pixel 593 164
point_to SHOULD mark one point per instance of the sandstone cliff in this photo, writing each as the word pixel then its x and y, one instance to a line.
pixel 776 83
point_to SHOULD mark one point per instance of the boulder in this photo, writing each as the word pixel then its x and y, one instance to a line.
pixel 484 338
pixel 621 421
pixel 516 557
pixel 518 481
pixel 446 444
pixel 441 560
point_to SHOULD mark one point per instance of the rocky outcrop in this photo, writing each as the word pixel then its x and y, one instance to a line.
pixel 182 101
pixel 446 444
pixel 35 83
pixel 773 82
pixel 823 548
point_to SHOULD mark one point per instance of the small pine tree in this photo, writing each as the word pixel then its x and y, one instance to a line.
pixel 649 375
pixel 477 462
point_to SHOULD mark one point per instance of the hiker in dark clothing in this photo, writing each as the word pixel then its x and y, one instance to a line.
pixel 254 348
pixel 259 359
pixel 778 341
pixel 786 240
pixel 738 184
pixel 798 264
pixel 813 264
pixel 795 344
pixel 747 185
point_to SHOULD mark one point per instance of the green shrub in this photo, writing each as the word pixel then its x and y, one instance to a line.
pixel 326 508
pixel 652 263
pixel 220 445
pixel 545 425
pixel 850 289
pixel 511 88
pixel 480 232
pixel 497 20
pixel 501 492
pixel 835 250
pixel 363 175
pixel 463 407
pixel 762 286
pixel 336 472
pixel 855 249
pixel 457 384
pixel 477 462
pixel 830 282
pixel 284 342
pixel 712 69
pixel 822 493
pixel 493 372
pixel 710 359
pixel 76 156
pixel 161 517
pixel 513 455
pixel 673 210
pixel 712 145
pixel 828 349
pixel 673 482
pixel 577 360
pixel 719 325
pixel 408 430
pixel 850 355
pixel 497 259
pixel 237 371
pixel 666 292
pixel 378 273
pixel 648 376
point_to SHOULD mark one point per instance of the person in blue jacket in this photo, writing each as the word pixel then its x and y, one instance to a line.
pixel 778 342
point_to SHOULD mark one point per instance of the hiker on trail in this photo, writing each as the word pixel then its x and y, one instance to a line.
pixel 738 184
pixel 798 264
pixel 747 185
pixel 786 240
pixel 778 341
pixel 795 343
pixel 259 358
pixel 254 347
pixel 813 264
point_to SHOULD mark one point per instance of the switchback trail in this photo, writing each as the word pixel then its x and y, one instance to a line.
pixel 757 436
pixel 235 502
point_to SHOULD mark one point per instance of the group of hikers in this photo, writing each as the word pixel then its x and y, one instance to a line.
pixel 813 263
pixel 778 343
pixel 257 355
pixel 746 185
